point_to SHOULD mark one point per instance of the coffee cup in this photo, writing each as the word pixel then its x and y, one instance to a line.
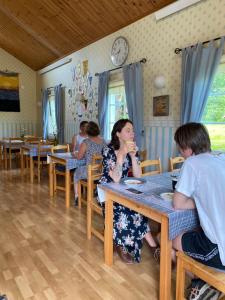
pixel 131 146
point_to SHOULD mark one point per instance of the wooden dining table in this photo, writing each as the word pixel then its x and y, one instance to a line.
pixel 6 144
pixel 152 205
pixel 31 150
pixel 69 162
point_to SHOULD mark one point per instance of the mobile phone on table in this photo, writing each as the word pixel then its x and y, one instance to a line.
pixel 134 191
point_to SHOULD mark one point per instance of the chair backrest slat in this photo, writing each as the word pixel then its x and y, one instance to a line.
pixel 151 163
pixel 174 161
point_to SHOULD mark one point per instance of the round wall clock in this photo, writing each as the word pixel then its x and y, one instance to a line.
pixel 119 52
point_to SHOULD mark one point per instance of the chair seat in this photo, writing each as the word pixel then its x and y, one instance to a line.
pixel 60 168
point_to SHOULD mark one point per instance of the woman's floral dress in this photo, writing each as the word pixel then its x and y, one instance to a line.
pixel 129 227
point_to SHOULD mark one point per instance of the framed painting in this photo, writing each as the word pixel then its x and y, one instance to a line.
pixel 161 106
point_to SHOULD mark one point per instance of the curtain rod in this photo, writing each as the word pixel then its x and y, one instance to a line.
pixel 143 60
pixel 178 50
pixel 52 87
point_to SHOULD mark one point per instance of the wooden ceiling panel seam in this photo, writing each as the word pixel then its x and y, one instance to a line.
pixel 53 29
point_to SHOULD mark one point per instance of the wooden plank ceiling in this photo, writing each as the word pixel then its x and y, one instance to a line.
pixel 39 32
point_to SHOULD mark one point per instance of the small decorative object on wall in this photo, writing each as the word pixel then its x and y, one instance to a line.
pixel 9 91
pixel 82 93
pixel 161 106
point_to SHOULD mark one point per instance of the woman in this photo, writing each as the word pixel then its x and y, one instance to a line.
pixel 79 138
pixel 129 226
pixel 90 146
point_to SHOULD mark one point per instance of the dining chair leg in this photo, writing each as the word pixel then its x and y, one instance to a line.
pixel 180 280
pixel 10 159
pixel 54 180
pixel 79 194
pixel 89 220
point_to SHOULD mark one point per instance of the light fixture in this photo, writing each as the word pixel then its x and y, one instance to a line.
pixel 159 82
pixel 173 8
pixel 55 65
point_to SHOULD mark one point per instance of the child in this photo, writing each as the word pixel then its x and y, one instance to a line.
pixel 201 186
pixel 78 139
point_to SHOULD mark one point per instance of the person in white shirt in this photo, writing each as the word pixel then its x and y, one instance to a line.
pixel 79 138
pixel 201 186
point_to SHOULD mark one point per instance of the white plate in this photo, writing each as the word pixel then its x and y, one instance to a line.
pixel 133 181
pixel 167 196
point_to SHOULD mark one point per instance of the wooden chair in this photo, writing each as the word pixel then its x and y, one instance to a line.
pixel 12 150
pixel 94 174
pixel 207 274
pixel 174 161
pixel 82 184
pixel 59 170
pixel 151 163
pixel 142 155
pixel 41 159
pixel 32 139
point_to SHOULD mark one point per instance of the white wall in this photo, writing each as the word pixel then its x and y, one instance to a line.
pixel 12 122
pixel 156 41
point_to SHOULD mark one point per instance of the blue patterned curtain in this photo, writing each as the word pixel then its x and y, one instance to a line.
pixel 103 101
pixel 59 113
pixel 133 80
pixel 199 64
pixel 45 112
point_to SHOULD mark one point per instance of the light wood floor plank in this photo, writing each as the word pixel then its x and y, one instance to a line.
pixel 44 253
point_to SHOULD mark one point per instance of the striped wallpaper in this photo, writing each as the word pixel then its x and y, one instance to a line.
pixel 14 129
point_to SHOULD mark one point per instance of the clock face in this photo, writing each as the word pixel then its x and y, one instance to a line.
pixel 119 51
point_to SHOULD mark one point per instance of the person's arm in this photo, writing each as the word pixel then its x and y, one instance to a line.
pixel 180 201
pixel 82 151
pixel 136 168
pixel 74 143
pixel 117 171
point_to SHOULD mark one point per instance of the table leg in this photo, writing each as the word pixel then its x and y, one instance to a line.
pixel 67 183
pixel 108 245
pixel 31 169
pixel 5 157
pixel 165 263
pixel 22 161
pixel 51 188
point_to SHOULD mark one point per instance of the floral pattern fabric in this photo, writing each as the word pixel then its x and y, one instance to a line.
pixel 129 227
pixel 92 148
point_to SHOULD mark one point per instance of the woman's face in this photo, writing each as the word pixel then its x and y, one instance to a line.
pixel 127 133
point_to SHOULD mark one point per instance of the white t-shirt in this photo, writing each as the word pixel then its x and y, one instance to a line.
pixel 79 140
pixel 202 178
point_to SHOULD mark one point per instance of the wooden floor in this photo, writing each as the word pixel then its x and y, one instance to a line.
pixel 44 253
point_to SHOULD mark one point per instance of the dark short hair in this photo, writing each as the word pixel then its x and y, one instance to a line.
pixel 194 136
pixel 92 129
pixel 118 126
pixel 83 123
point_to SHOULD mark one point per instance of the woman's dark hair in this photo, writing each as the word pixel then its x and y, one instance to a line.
pixel 194 136
pixel 118 126
pixel 92 129
pixel 83 123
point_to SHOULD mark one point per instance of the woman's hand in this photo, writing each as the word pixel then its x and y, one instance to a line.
pixel 131 148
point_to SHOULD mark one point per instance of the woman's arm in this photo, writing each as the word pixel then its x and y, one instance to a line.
pixel 136 168
pixel 82 151
pixel 74 143
pixel 116 172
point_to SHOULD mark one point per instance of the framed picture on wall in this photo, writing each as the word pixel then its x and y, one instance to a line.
pixel 161 106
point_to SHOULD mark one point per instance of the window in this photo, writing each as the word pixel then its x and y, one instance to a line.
pixel 117 106
pixel 52 126
pixel 214 113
